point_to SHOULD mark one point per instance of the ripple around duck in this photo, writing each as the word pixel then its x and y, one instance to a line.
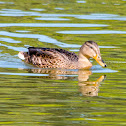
pixel 23 74
pixel 14 63
pixel 41 38
pixel 64 72
pixel 92 32
pixel 14 48
pixel 103 70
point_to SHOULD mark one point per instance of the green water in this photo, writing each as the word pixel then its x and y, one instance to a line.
pixel 54 97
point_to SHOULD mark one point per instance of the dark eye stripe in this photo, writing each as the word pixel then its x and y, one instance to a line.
pixel 91 48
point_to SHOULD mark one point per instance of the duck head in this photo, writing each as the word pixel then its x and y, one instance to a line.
pixel 89 50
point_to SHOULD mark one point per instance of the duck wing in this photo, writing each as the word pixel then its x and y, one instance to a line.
pixel 50 57
pixel 44 52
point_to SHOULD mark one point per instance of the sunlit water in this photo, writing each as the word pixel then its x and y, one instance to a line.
pixel 32 96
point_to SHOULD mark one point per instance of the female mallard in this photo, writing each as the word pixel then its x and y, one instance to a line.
pixel 59 58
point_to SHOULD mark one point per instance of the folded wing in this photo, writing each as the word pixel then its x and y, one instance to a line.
pixel 50 57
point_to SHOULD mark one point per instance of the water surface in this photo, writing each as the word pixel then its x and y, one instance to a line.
pixel 33 96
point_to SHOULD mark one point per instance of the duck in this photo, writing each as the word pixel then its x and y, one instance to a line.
pixel 60 58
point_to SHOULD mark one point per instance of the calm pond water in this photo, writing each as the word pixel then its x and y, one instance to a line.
pixel 32 97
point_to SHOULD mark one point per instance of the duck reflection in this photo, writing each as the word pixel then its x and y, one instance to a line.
pixel 86 87
pixel 58 74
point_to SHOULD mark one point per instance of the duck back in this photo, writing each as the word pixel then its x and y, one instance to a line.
pixel 51 58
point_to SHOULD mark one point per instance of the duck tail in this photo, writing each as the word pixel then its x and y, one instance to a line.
pixel 21 55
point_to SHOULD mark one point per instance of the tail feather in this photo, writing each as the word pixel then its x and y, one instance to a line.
pixel 21 55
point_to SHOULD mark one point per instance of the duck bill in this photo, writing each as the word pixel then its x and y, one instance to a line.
pixel 100 61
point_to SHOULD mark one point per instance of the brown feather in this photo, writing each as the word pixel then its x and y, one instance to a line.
pixel 59 58
pixel 50 57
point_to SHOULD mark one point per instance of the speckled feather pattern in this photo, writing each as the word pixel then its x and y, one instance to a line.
pixel 59 58
pixel 51 58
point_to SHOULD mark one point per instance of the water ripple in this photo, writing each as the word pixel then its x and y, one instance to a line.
pixel 38 9
pixel 52 19
pixel 41 38
pixel 14 48
pixel 81 1
pixel 93 16
pixel 102 17
pixel 9 40
pixel 1 2
pixel 58 8
pixel 93 32
pixel 51 25
pixel 23 74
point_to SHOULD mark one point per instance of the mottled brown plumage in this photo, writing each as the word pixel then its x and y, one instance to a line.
pixel 59 58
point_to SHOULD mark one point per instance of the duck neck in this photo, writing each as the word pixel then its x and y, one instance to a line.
pixel 83 62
